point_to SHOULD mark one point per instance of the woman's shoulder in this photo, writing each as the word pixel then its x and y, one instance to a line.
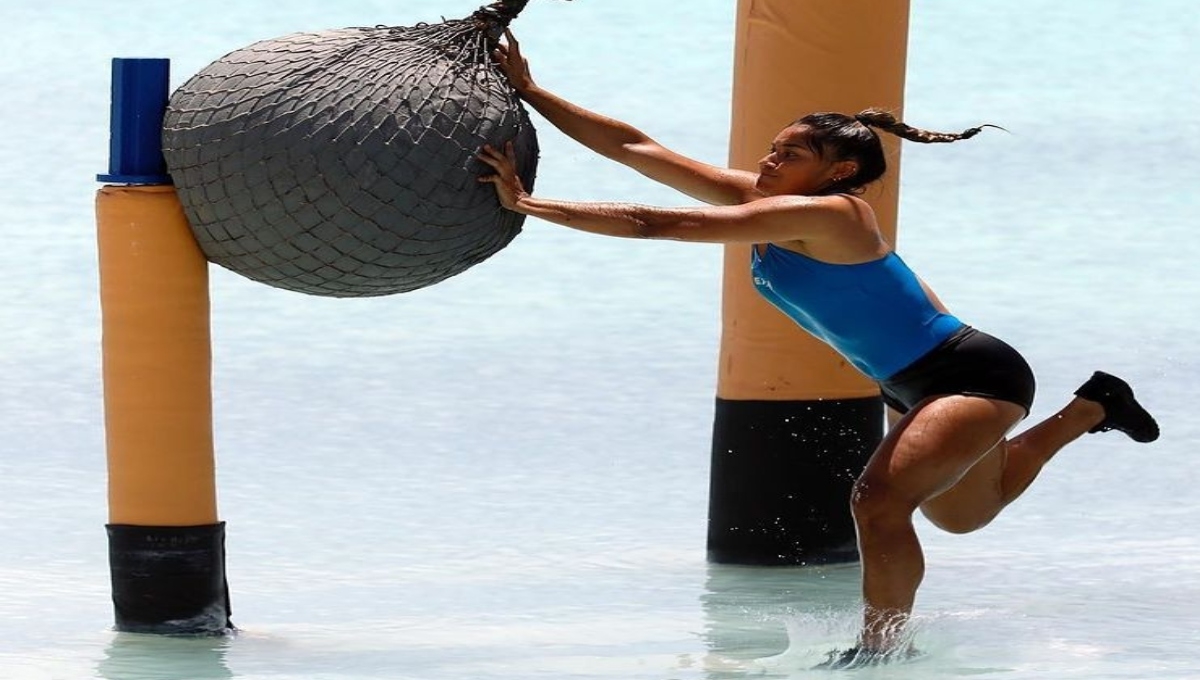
pixel 847 202
pixel 836 209
pixel 849 232
pixel 851 202
pixel 853 209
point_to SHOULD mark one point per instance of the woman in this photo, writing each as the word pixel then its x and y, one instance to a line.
pixel 953 392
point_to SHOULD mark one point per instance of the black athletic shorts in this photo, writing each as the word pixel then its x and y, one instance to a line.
pixel 970 363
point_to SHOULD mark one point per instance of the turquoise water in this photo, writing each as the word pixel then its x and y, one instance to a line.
pixel 505 476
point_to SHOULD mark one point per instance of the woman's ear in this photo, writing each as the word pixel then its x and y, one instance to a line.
pixel 845 169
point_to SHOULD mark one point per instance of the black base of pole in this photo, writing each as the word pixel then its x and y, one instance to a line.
pixel 781 477
pixel 169 580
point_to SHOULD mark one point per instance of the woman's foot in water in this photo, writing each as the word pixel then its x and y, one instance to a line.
pixel 857 657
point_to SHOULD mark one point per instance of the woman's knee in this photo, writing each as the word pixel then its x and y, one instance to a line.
pixel 877 506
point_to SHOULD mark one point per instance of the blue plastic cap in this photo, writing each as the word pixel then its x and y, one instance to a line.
pixel 139 99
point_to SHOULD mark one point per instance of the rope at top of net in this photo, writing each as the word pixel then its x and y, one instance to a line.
pixel 499 14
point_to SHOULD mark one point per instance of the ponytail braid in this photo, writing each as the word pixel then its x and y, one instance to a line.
pixel 883 120
pixel 838 136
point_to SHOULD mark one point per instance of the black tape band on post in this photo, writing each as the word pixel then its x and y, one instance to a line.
pixel 169 580
pixel 781 477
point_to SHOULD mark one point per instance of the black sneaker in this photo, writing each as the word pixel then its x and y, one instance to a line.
pixel 856 657
pixel 1121 411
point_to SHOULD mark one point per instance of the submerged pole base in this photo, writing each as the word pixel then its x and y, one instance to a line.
pixel 169 580
pixel 782 472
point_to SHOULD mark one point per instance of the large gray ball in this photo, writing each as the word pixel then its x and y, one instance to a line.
pixel 343 163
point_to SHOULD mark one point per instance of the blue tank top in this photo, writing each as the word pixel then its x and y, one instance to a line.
pixel 875 313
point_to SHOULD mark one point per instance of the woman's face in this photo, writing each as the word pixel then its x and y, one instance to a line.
pixel 791 167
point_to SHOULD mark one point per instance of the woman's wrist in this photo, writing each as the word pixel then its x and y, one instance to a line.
pixel 523 203
pixel 529 91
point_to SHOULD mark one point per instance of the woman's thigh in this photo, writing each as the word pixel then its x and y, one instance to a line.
pixel 975 499
pixel 935 445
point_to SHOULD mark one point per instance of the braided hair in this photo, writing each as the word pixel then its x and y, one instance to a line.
pixel 845 137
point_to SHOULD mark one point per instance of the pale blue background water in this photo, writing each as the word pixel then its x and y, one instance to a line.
pixel 505 476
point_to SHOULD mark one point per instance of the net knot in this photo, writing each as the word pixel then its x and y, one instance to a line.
pixel 494 18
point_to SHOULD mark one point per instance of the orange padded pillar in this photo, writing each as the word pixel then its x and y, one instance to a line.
pixel 795 422
pixel 157 360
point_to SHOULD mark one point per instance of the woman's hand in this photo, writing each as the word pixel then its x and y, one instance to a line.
pixel 515 67
pixel 508 184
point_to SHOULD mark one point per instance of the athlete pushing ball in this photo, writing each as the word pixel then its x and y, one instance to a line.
pixel 954 392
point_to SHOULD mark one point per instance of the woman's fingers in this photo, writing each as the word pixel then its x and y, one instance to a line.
pixel 508 51
pixel 504 60
pixel 504 163
pixel 508 185
pixel 508 56
pixel 501 162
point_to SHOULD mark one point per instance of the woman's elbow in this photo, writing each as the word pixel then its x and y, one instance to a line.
pixel 633 146
pixel 645 229
pixel 662 229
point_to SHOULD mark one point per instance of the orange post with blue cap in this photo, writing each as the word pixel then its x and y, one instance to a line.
pixel 166 544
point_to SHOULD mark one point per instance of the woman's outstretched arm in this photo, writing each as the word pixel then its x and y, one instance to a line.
pixel 773 219
pixel 624 143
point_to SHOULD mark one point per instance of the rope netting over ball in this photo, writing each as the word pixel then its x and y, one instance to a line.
pixel 343 162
